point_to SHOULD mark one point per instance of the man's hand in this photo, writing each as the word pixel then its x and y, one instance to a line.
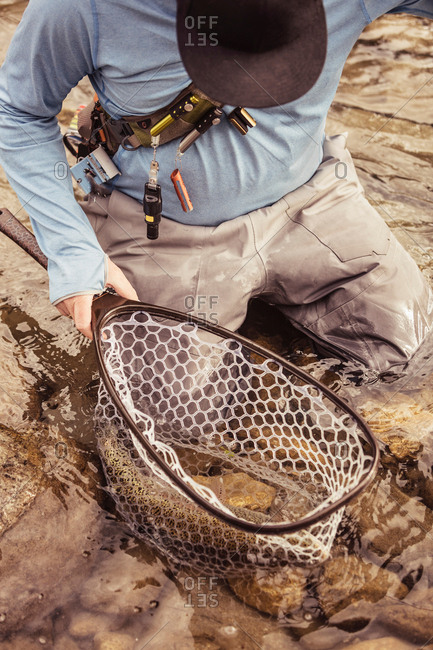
pixel 80 307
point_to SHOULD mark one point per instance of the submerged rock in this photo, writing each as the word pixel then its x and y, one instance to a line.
pixel 402 448
pixel 240 491
pixel 408 421
pixel 121 585
pixel 21 475
pixel 220 621
pixel 271 593
pixel 278 641
pixel 325 638
pixel 412 621
pixel 347 579
pixel 42 562
pixel 47 520
pixel 34 459
pixel 389 520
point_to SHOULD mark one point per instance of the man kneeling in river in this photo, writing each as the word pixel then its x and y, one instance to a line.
pixel 239 92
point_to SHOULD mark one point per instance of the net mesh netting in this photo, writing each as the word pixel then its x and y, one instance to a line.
pixel 245 433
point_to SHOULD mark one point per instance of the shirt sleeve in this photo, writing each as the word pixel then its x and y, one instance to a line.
pixel 54 47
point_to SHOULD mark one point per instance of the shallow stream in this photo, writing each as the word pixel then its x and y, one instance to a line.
pixel 71 574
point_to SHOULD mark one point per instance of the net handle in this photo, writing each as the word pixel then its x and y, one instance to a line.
pixel 108 306
pixel 17 232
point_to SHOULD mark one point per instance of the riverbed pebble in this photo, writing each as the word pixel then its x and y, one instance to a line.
pixel 401 423
pixel 402 448
pixel 412 621
pixel 240 490
pixel 271 593
pixel 279 640
pixel 348 579
pixel 21 478
pixel 326 638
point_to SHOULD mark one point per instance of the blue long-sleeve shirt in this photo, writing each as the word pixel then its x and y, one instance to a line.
pixel 129 50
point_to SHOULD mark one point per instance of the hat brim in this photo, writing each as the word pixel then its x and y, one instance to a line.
pixel 256 80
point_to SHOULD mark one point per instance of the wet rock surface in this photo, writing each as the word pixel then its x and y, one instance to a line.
pixel 42 561
pixel 48 523
pixel 120 587
pixel 274 594
pixel 389 521
pixel 349 579
pixel 402 448
pixel 401 423
pixel 240 491
pixel 411 620
pixel 325 639
pixel 21 479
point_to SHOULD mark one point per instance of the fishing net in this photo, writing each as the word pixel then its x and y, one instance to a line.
pixel 220 455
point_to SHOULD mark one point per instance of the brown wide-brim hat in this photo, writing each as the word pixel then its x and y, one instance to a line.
pixel 253 53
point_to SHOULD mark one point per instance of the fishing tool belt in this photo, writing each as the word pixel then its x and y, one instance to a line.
pixel 94 137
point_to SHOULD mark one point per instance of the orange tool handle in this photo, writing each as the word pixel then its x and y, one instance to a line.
pixel 181 191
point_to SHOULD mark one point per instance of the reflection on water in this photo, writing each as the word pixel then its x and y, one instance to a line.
pixel 72 574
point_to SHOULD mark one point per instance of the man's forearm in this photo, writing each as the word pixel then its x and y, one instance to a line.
pixel 35 78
